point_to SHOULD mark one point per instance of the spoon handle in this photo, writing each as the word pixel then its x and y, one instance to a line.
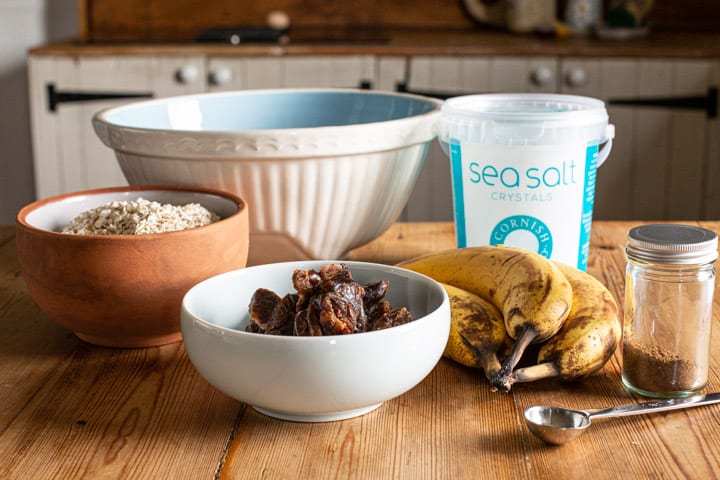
pixel 655 406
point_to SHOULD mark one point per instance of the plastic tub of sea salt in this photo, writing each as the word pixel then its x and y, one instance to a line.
pixel 524 169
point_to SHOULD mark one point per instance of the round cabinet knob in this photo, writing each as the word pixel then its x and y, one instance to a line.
pixel 576 77
pixel 541 76
pixel 187 74
pixel 220 76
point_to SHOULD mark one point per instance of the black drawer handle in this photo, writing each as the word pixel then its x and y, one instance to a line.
pixel 707 103
pixel 403 88
pixel 56 97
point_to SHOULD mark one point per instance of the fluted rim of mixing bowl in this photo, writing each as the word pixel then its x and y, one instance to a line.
pixel 310 142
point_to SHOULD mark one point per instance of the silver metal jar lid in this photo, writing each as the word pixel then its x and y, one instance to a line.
pixel 672 244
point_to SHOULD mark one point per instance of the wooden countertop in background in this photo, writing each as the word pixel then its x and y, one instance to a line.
pixel 433 42
pixel 72 410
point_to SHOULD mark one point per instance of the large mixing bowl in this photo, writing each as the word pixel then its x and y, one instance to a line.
pixel 323 170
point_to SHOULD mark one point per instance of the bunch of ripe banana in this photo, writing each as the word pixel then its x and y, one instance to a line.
pixel 503 299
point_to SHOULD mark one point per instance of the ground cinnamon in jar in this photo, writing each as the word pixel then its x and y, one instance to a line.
pixel 669 286
pixel 649 368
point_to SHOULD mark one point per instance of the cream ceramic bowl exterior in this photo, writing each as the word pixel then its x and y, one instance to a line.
pixel 312 379
pixel 323 170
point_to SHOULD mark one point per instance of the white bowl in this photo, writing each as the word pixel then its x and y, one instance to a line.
pixel 323 170
pixel 313 379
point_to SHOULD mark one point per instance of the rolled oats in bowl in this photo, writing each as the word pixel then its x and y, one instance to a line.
pixel 140 217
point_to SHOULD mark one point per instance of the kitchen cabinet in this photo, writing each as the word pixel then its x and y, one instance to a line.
pixel 661 159
pixel 452 75
pixel 662 166
pixel 68 156
pixel 331 71
pixel 66 91
pixel 664 160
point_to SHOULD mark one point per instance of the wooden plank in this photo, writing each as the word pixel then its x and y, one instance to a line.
pixel 689 140
pixel 406 240
pixel 711 202
pixel 389 72
pixel 84 21
pixel 73 173
pixel 235 69
pixel 652 151
pixel 636 447
pixel 71 410
pixel 431 199
pixel 140 20
pixel 474 75
pixel 121 414
pixel 248 73
pixel 593 77
pixel 437 412
pixel 617 177
pixel 98 161
pixel 327 71
pixel 413 42
pixel 163 75
pixel 515 75
pixel 44 129
pixel 71 157
pixel 31 347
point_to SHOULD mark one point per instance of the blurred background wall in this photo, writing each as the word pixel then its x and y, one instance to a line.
pixel 23 24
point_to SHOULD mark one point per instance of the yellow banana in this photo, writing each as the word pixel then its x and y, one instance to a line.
pixel 585 342
pixel 477 331
pixel 530 291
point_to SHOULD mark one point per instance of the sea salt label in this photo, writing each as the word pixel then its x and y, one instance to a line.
pixel 535 197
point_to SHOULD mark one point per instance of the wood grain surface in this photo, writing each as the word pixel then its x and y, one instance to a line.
pixel 71 410
pixel 181 20
pixel 421 42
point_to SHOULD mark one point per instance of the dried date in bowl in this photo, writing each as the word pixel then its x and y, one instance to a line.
pixel 327 301
pixel 313 379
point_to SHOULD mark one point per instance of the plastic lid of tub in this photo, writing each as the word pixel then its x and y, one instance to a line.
pixel 538 118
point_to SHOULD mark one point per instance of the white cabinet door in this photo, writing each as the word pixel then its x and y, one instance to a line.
pixel 312 71
pixel 658 168
pixel 712 195
pixel 464 75
pixel 431 199
pixel 390 72
pixel 68 156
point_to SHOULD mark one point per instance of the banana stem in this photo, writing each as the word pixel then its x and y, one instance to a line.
pixel 486 358
pixel 503 380
pixel 490 364
pixel 521 343
pixel 536 372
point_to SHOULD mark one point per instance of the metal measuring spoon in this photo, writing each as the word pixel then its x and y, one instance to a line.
pixel 557 425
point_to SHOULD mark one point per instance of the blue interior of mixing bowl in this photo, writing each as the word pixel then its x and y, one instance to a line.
pixel 263 110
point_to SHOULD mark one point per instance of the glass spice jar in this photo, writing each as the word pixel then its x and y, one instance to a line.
pixel 669 286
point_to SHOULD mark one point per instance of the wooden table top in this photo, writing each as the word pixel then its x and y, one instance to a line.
pixel 72 410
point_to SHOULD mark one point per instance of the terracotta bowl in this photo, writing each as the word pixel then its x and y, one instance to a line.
pixel 125 290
